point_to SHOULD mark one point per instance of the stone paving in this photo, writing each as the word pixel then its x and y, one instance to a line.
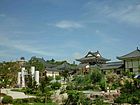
pixel 15 95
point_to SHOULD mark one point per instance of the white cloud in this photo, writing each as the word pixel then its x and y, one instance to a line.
pixel 24 46
pixel 68 24
pixel 129 14
pixel 123 11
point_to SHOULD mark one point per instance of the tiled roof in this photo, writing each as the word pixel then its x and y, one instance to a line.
pixel 64 66
pixel 131 55
pixel 93 55
pixel 53 69
pixel 112 65
pixel 82 65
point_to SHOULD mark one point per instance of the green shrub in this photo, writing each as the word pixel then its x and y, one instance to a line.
pixel 18 101
pixel 29 100
pixel 56 85
pixel 99 101
pixel 7 100
pixel 58 77
pixel 133 100
pixel 18 90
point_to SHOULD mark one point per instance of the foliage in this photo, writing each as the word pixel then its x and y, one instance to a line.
pixel 99 101
pixel 35 101
pixel 55 85
pixel 128 98
pixel 45 81
pixel 7 100
pixel 112 80
pixel 130 92
pixel 94 80
pixel 84 100
pixel 8 71
pixel 129 74
pixel 39 63
pixel 112 77
pixel 96 76
pixel 103 85
pixel 65 74
pixel 115 86
pixel 48 79
pixel 129 87
pixel 76 98
pixel 31 83
pixel 70 86
pixel 57 77
pixel 73 97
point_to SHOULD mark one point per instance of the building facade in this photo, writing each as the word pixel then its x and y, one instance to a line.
pixel 131 61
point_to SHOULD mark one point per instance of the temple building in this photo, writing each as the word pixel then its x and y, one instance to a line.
pixel 114 67
pixel 54 70
pixel 93 58
pixel 131 61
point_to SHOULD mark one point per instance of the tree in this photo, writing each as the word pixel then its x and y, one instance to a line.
pixel 99 101
pixel 57 77
pixel 84 100
pixel 47 93
pixel 77 98
pixel 55 85
pixel 73 97
pixel 112 79
pixel 96 76
pixel 65 74
pixel 39 63
pixel 128 87
pixel 103 85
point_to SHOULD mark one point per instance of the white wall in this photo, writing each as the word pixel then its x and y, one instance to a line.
pixel 37 77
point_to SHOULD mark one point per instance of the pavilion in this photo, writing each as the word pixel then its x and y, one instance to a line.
pixel 93 58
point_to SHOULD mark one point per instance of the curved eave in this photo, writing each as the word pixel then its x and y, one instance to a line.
pixel 128 58
pixel 112 67
pixel 108 59
pixel 85 59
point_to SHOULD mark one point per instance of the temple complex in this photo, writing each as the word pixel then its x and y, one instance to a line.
pixel 128 62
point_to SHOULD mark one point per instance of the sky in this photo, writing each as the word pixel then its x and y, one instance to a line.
pixel 68 29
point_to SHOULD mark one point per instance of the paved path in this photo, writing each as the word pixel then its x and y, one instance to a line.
pixel 14 94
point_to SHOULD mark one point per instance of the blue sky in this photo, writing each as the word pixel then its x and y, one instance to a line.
pixel 68 29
